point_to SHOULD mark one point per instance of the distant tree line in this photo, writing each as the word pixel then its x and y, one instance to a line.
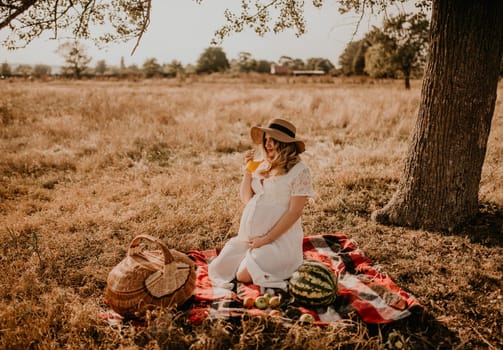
pixel 212 60
pixel 37 70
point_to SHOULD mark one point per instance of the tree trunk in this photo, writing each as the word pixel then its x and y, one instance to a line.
pixel 407 81
pixel 439 185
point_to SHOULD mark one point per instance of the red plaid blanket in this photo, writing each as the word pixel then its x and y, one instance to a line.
pixel 363 289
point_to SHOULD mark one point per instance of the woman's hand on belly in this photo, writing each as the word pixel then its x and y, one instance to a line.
pixel 259 241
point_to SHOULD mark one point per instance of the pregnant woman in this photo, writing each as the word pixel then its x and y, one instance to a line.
pixel 268 247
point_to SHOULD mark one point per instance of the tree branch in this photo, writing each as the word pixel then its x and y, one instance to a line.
pixel 25 6
pixel 9 6
pixel 56 18
pixel 83 17
pixel 144 26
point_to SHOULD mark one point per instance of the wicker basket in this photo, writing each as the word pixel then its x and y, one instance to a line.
pixel 164 278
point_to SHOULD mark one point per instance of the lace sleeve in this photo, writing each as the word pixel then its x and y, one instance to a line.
pixel 302 184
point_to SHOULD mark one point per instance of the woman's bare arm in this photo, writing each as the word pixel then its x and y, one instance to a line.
pixel 245 191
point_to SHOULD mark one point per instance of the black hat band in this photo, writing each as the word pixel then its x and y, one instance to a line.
pixel 282 129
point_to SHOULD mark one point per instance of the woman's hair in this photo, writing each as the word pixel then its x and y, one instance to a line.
pixel 286 157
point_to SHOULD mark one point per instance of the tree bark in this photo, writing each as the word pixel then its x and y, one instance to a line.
pixel 439 186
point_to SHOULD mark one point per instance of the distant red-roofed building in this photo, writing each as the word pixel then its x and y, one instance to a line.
pixel 279 69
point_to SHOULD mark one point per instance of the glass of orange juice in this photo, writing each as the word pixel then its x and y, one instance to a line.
pixel 252 165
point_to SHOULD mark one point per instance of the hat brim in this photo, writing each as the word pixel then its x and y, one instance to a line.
pixel 257 135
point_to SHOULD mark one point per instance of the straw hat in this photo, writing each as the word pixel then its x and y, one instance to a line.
pixel 278 129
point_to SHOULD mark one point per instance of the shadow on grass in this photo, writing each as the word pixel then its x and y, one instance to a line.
pixel 486 227
pixel 419 331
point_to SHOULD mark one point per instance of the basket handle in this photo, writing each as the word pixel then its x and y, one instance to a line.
pixel 134 247
pixel 173 275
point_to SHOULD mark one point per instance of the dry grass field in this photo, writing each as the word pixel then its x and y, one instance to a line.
pixel 85 166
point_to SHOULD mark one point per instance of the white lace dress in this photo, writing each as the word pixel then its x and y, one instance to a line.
pixel 271 264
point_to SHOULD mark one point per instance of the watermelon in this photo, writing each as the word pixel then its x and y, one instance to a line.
pixel 313 284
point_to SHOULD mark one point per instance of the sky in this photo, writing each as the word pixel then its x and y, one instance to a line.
pixel 181 30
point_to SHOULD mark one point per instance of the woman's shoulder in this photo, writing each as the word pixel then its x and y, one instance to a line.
pixel 299 167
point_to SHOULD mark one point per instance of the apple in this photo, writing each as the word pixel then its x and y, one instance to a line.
pixel 249 302
pixel 306 318
pixel 267 296
pixel 261 302
pixel 274 301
